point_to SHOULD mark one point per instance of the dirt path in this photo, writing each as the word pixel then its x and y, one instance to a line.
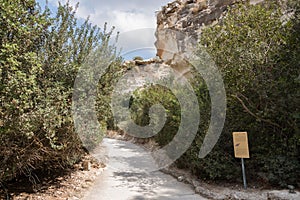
pixel 126 177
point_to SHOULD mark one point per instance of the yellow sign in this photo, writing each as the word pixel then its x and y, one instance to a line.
pixel 240 143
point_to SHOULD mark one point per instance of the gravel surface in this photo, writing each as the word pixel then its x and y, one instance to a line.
pixel 128 176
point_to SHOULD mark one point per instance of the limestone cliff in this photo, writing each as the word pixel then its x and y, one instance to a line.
pixel 179 25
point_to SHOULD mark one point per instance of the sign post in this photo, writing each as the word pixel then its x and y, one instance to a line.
pixel 241 150
pixel 244 174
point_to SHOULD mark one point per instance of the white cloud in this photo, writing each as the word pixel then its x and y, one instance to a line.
pixel 126 16
pixel 136 39
pixel 125 21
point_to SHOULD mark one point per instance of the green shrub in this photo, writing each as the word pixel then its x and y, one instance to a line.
pixel 258 55
pixel 145 98
pixel 138 58
pixel 104 91
pixel 212 167
pixel 39 59
pixel 257 51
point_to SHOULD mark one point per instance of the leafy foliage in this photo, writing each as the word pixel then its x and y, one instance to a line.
pixel 138 58
pixel 40 57
pixel 104 91
pixel 144 98
pixel 256 49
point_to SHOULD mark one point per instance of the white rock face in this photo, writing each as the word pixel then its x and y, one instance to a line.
pixel 179 25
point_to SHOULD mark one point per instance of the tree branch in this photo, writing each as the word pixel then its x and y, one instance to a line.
pixel 254 115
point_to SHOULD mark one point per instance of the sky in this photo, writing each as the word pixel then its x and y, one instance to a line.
pixel 134 19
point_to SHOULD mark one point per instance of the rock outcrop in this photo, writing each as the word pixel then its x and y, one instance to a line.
pixel 179 25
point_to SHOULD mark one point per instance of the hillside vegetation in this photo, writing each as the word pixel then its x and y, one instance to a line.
pixel 257 51
pixel 40 54
pixel 256 48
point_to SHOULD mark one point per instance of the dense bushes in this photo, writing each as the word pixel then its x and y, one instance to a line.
pixel 40 56
pixel 104 91
pixel 144 98
pixel 256 48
